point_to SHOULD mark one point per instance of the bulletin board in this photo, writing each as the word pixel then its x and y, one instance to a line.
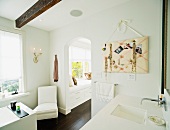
pixel 127 56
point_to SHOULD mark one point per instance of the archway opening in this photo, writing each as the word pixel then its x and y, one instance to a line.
pixel 79 72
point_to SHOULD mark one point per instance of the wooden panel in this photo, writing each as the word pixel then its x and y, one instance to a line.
pixel 37 9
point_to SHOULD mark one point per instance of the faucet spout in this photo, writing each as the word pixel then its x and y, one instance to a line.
pixel 150 99
pixel 161 102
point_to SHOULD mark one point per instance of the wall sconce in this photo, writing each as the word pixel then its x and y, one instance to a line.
pixel 36 55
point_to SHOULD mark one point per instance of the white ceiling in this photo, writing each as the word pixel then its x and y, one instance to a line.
pixel 57 16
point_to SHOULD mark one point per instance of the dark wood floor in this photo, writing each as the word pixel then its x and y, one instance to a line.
pixel 78 117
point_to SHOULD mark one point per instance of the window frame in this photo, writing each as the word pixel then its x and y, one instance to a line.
pixel 79 60
pixel 83 66
pixel 22 87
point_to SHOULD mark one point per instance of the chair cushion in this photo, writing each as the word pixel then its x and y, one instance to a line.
pixel 47 94
pixel 47 116
pixel 46 108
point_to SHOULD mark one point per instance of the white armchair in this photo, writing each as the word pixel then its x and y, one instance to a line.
pixel 47 103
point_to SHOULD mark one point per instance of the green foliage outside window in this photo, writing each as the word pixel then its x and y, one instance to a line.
pixel 77 69
pixel 10 85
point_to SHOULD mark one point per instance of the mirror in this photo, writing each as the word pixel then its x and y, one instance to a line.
pixel 165 46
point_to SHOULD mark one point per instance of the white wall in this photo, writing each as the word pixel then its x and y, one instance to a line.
pixel 167 112
pixel 167 92
pixel 145 16
pixel 36 74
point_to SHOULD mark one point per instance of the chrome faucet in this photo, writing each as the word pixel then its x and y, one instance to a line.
pixel 156 100
pixel 159 100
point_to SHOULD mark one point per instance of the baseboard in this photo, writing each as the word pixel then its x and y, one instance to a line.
pixel 64 111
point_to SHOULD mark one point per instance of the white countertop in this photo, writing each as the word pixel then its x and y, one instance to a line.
pixel 8 117
pixel 104 120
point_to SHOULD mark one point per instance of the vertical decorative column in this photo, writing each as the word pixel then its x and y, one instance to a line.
pixel 134 57
pixel 106 65
pixel 110 58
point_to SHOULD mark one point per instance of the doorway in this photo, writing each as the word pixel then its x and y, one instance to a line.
pixel 79 90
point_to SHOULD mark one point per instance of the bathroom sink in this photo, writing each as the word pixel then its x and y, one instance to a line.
pixel 130 113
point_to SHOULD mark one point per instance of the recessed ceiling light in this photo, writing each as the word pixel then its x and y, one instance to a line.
pixel 76 13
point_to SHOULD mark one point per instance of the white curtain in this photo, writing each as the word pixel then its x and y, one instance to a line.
pixel 10 56
pixel 79 54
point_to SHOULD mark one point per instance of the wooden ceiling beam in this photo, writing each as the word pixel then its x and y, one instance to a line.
pixel 37 9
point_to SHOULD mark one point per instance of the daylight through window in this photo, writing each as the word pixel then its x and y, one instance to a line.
pixel 10 62
pixel 80 61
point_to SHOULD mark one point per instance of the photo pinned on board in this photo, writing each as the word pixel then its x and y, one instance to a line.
pixel 129 45
pixel 119 49
pixel 139 49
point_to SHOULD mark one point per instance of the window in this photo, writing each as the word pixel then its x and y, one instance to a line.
pixel 80 61
pixel 11 67
pixel 77 69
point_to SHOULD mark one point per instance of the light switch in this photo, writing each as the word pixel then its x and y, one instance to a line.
pixel 131 77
